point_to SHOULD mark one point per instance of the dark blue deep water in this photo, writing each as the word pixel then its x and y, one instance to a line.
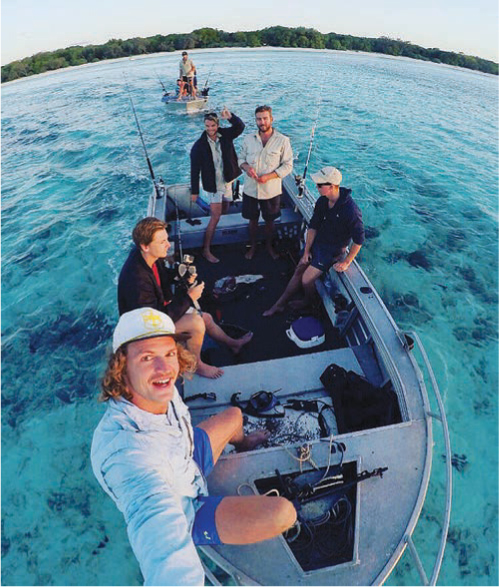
pixel 416 142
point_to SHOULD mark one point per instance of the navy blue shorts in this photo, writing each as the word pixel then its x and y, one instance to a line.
pixel 204 530
pixel 325 256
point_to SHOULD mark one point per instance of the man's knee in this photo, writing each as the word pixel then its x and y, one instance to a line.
pixel 192 323
pixel 300 270
pixel 309 277
pixel 207 319
pixel 235 416
pixel 284 514
pixel 215 214
pixel 306 281
pixel 199 323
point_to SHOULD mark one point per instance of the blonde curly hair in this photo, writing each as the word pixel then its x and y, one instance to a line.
pixel 114 384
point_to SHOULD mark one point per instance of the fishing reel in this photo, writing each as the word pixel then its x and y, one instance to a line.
pixel 159 189
pixel 300 183
pixel 185 269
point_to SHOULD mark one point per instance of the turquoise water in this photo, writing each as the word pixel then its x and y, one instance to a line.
pixel 416 142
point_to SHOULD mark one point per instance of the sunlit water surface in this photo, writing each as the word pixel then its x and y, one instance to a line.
pixel 416 142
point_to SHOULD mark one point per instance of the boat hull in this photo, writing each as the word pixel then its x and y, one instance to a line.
pixel 190 105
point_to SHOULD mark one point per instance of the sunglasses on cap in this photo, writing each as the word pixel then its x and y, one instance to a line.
pixel 321 185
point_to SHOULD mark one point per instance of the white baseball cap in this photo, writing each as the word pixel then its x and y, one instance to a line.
pixel 144 323
pixel 327 175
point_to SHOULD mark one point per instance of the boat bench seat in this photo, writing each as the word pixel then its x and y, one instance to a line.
pixel 291 375
pixel 233 228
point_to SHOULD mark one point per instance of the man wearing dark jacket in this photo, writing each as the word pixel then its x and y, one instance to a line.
pixel 213 155
pixel 145 282
pixel 335 222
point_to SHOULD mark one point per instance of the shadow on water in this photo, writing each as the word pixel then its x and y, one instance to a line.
pixel 67 349
pixel 418 258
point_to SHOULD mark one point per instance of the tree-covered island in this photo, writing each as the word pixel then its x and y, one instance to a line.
pixel 205 38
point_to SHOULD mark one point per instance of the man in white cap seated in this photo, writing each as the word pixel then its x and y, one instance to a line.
pixel 153 464
pixel 335 222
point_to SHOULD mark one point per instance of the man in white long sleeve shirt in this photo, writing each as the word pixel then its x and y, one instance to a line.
pixel 150 460
pixel 266 157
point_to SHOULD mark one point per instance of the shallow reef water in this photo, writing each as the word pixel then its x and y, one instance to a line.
pixel 416 142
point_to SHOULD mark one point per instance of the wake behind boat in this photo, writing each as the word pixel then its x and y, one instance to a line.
pixel 349 416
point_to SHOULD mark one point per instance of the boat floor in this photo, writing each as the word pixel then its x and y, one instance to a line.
pixel 244 308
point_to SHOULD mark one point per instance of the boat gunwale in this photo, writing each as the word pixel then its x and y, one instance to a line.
pixel 387 358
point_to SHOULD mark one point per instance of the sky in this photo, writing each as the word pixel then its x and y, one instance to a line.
pixel 32 26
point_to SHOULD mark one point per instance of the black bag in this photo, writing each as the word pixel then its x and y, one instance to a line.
pixel 359 405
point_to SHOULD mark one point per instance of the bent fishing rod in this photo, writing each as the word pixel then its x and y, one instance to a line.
pixel 159 186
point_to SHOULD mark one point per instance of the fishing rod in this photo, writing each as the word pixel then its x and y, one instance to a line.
pixel 165 91
pixel 300 179
pixel 206 89
pixel 159 186
pixel 208 78
pixel 185 266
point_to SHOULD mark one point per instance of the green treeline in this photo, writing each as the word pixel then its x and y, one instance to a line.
pixel 277 36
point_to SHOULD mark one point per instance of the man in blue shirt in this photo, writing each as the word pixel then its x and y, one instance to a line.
pixel 152 463
pixel 335 222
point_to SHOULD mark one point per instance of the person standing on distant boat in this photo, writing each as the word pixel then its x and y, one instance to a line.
pixel 145 281
pixel 335 222
pixel 152 462
pixel 187 71
pixel 266 157
pixel 214 157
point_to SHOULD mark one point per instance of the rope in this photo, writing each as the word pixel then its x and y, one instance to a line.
pixel 238 490
pixel 304 457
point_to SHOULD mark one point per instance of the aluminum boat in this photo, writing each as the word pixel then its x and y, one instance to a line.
pixel 359 492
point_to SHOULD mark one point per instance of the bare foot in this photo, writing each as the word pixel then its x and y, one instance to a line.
pixel 210 257
pixel 252 440
pixel 238 343
pixel 274 310
pixel 272 253
pixel 250 254
pixel 209 371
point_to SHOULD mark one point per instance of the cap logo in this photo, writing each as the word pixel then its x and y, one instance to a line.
pixel 152 321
